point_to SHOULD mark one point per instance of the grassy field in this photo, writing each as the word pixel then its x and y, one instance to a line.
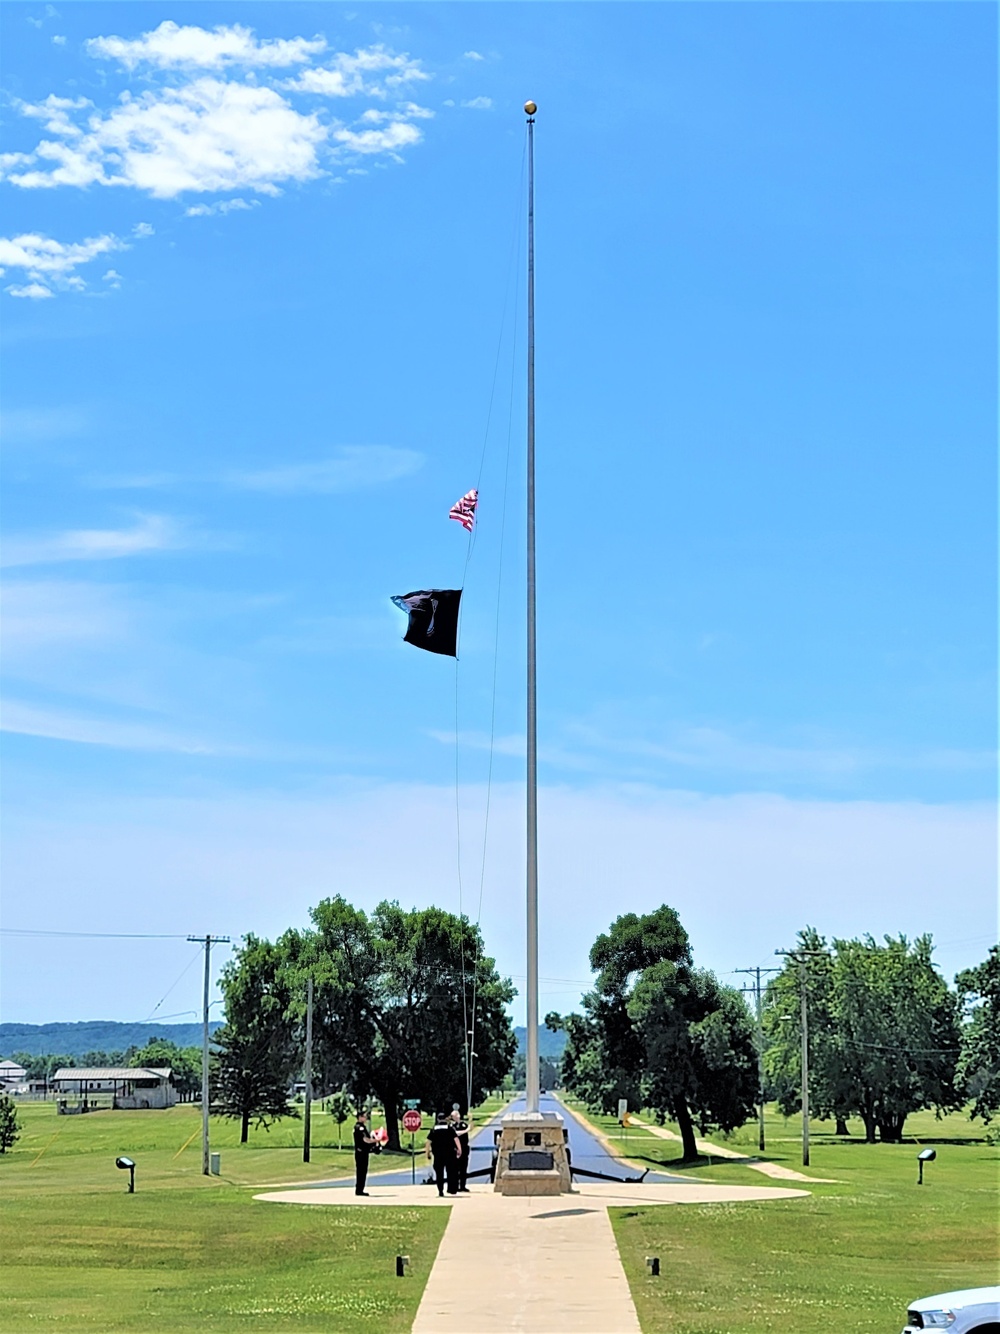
pixel 849 1257
pixel 189 1252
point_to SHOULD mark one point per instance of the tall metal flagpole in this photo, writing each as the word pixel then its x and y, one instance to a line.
pixel 531 1017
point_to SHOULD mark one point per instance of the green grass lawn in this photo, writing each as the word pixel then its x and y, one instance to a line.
pixel 189 1252
pixel 849 1257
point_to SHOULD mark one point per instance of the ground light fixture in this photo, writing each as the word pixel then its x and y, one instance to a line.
pixel 127 1165
pixel 924 1156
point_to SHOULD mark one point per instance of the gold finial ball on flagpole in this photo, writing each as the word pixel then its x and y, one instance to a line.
pixel 530 108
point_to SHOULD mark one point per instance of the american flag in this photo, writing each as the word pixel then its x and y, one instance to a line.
pixel 464 510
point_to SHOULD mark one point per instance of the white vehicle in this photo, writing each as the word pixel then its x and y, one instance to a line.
pixel 973 1311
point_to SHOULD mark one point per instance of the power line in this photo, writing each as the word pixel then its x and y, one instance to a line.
pixel 94 935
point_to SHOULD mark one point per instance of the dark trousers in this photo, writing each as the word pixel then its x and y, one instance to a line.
pixel 463 1170
pixel 446 1169
pixel 360 1172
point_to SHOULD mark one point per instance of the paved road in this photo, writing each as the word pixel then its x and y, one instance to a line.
pixel 586 1151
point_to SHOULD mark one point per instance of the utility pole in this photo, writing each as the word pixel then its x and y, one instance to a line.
pixel 801 957
pixel 208 942
pixel 307 1115
pixel 756 972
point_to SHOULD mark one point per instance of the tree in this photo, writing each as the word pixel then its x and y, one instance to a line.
pixel 10 1132
pixel 407 1005
pixel 339 1104
pixel 256 1056
pixel 184 1063
pixel 978 1072
pixel 883 1032
pixel 660 1032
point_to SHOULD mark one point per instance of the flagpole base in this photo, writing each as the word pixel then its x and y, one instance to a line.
pixel 532 1155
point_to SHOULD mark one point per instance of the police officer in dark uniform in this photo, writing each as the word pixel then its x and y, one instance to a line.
pixel 364 1144
pixel 443 1145
pixel 462 1131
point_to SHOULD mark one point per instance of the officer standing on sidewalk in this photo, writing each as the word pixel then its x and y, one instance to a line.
pixel 462 1131
pixel 442 1144
pixel 364 1144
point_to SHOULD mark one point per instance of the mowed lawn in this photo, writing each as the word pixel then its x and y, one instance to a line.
pixel 849 1257
pixel 189 1252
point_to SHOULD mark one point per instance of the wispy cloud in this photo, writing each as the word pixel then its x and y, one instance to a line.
pixel 472 55
pixel 48 263
pixel 173 47
pixel 194 129
pixel 223 206
pixel 30 426
pixel 479 103
pixel 351 468
pixel 152 532
pixel 28 720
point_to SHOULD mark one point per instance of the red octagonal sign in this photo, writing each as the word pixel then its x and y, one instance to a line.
pixel 411 1122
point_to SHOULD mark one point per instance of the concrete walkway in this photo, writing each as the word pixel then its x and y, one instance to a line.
pixel 774 1170
pixel 534 1266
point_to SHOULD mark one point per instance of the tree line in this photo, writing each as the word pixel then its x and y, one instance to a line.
pixel 406 1005
pixel 887 1035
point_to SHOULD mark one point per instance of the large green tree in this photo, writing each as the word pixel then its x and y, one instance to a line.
pixel 184 1063
pixel 979 1062
pixel 257 1055
pixel 883 1031
pixel 660 1032
pixel 407 1005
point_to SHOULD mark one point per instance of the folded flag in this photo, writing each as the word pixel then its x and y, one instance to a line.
pixel 433 614
pixel 464 510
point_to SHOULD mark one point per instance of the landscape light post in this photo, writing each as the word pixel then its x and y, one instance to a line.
pixel 801 957
pixel 208 942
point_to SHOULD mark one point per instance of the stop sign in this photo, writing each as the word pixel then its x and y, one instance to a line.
pixel 411 1122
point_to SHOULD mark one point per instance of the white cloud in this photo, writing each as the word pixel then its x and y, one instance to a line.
pixel 204 136
pixel 172 47
pixel 33 291
pixel 142 229
pixel 349 75
pixel 398 134
pixel 151 533
pixel 58 40
pixel 223 206
pixel 479 103
pixel 47 262
pixel 353 467
pixel 473 55
pixel 57 725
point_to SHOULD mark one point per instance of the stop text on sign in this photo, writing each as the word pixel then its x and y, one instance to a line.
pixel 411 1121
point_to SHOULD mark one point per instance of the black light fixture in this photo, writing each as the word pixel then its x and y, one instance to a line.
pixel 924 1156
pixel 127 1165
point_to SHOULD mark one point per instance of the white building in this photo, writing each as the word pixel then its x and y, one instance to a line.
pixel 126 1087
pixel 12 1076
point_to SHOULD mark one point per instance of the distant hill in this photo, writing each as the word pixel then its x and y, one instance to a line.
pixel 92 1035
pixel 550 1045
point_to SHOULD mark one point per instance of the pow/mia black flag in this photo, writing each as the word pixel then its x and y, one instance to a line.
pixel 433 614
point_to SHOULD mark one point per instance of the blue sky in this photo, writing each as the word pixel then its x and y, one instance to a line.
pixel 263 323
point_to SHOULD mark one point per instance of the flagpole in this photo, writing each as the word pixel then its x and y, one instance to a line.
pixel 531 1016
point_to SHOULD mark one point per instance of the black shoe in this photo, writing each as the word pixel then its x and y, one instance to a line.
pixel 464 1190
pixel 362 1192
pixel 440 1194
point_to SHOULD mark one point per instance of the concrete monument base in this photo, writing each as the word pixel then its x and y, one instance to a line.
pixel 532 1156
